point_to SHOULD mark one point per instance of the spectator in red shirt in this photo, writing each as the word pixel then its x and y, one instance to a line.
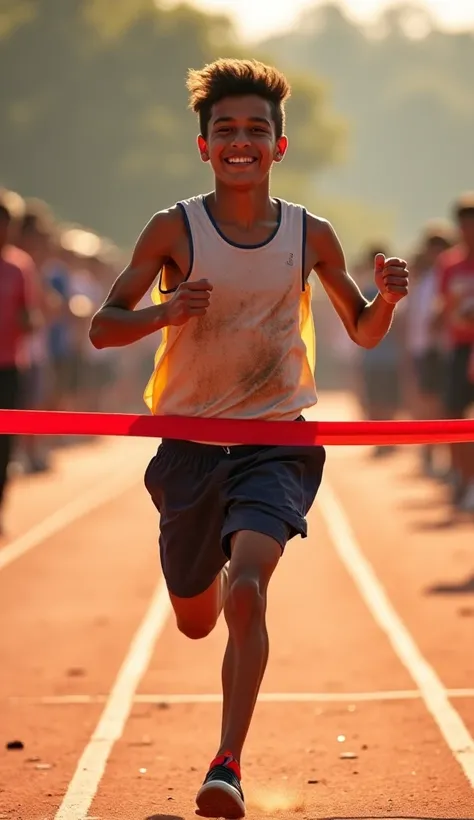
pixel 29 250
pixel 14 324
pixel 456 284
pixel 423 341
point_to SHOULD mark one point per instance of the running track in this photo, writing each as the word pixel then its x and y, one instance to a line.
pixel 372 653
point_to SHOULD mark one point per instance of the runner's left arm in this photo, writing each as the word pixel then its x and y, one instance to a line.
pixel 366 322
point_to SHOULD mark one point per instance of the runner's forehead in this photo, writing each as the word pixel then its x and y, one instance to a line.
pixel 250 108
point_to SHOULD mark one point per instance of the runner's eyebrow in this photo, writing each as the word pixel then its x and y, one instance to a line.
pixel 250 119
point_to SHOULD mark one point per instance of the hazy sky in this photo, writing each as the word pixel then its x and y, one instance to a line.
pixel 257 18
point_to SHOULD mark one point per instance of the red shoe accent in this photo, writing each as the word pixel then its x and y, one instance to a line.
pixel 227 759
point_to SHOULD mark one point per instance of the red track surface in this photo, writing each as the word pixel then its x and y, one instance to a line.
pixel 74 591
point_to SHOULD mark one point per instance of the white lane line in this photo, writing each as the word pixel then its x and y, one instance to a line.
pixel 282 697
pixel 91 766
pixel 70 513
pixel 264 697
pixel 435 696
pixel 305 697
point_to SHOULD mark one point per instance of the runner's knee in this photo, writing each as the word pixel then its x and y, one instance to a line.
pixel 254 557
pixel 246 602
pixel 196 617
pixel 195 630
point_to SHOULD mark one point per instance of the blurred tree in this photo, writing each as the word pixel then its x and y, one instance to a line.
pixel 406 89
pixel 14 13
pixel 111 19
pixel 96 119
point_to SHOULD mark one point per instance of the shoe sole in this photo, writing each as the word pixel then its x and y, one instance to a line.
pixel 220 800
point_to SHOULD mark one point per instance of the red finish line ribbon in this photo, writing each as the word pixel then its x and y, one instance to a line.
pixel 225 431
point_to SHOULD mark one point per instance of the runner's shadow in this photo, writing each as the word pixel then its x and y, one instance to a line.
pixel 421 504
pixel 450 522
pixel 465 587
pixel 164 817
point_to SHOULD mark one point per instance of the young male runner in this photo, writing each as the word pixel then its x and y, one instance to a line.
pixel 234 303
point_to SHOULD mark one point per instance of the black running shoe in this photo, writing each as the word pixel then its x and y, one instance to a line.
pixel 221 793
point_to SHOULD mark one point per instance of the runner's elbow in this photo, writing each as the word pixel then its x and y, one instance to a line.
pixel 96 335
pixel 369 342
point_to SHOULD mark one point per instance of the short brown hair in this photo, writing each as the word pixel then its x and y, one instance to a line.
pixel 464 206
pixel 5 213
pixel 237 78
pixel 438 233
pixel 37 218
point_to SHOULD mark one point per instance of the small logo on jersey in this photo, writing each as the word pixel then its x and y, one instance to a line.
pixel 290 260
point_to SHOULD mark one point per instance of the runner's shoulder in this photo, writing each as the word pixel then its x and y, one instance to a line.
pixel 317 224
pixel 167 226
pixel 320 234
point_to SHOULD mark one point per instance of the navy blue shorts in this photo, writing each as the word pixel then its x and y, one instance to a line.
pixel 205 493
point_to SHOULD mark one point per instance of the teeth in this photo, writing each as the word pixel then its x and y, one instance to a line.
pixel 240 160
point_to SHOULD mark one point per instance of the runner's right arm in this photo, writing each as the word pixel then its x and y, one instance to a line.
pixel 117 323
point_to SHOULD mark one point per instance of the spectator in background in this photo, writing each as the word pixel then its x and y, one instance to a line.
pixel 380 388
pixel 14 324
pixel 30 248
pixel 456 291
pixel 423 337
pixel 57 276
pixel 86 295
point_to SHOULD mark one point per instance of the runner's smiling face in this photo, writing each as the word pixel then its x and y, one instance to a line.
pixel 241 143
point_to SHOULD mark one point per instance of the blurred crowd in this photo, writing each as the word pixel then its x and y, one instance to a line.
pixel 424 368
pixel 53 277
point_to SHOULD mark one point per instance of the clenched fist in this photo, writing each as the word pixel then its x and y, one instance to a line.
pixel 189 300
pixel 391 278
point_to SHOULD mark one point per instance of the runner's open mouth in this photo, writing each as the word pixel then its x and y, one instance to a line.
pixel 240 161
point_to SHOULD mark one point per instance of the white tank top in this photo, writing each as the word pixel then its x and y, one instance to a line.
pixel 252 356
